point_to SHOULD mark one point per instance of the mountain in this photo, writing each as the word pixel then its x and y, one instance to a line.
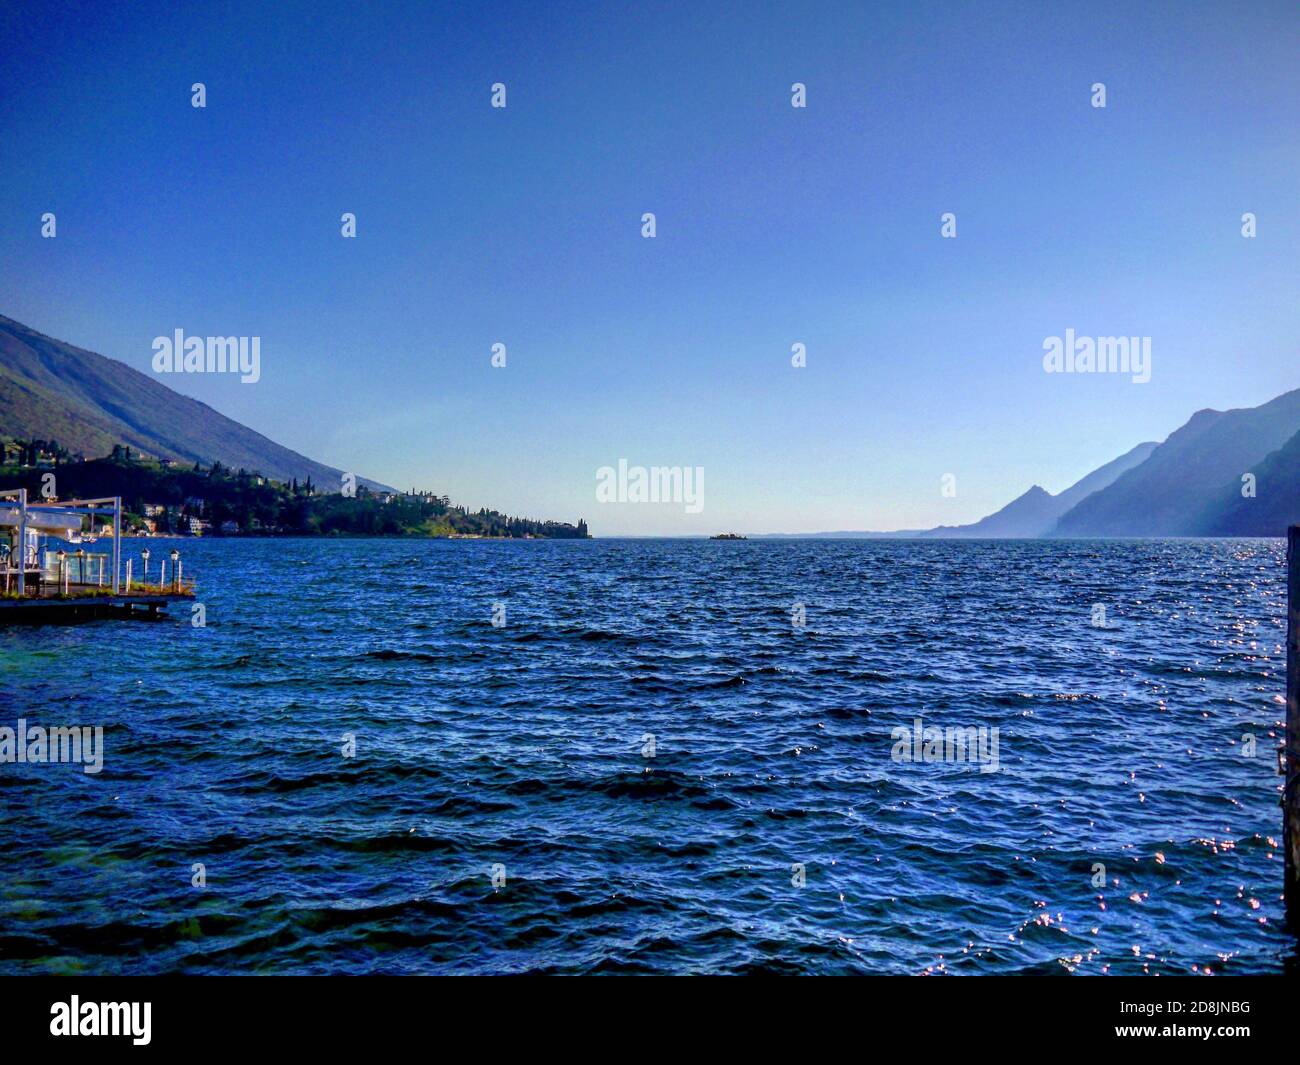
pixel 1037 511
pixel 1190 485
pixel 1274 506
pixel 1180 489
pixel 844 534
pixel 1104 476
pixel 1030 515
pixel 50 390
pixel 1026 515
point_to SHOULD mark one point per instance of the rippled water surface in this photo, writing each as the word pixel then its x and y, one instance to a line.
pixel 525 747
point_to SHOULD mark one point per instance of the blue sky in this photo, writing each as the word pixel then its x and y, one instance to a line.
pixel 775 225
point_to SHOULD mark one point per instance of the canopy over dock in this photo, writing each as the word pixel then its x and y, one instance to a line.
pixel 40 584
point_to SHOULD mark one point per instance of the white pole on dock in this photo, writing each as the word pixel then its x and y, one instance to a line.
pixel 22 542
pixel 117 541
pixel 128 576
pixel 1290 799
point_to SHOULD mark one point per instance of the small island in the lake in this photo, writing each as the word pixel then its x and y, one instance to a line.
pixel 728 536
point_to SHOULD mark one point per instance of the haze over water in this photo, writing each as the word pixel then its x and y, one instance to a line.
pixel 523 746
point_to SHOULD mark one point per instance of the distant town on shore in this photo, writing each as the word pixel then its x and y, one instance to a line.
pixel 163 497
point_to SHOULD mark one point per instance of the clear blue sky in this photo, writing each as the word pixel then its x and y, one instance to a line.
pixel 775 225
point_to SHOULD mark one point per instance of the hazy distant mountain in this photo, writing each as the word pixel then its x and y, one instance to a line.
pixel 1190 485
pixel 846 534
pixel 1037 511
pixel 50 390
pixel 1030 514
pixel 1104 476
pixel 1275 505
pixel 1180 489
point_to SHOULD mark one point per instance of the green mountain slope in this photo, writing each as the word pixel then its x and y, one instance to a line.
pixel 87 402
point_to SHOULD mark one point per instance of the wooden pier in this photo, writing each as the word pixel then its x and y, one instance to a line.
pixel 67 586
pixel 1291 751
pixel 44 611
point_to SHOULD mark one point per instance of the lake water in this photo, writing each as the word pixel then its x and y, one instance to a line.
pixel 659 768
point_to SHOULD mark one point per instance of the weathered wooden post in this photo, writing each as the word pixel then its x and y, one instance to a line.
pixel 1290 798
